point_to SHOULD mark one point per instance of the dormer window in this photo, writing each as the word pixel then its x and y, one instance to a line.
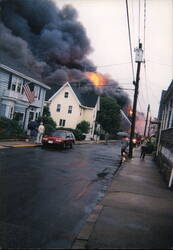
pixel 66 94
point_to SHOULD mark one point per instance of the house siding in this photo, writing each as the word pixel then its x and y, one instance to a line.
pixel 71 119
pixel 13 99
pixel 4 79
pixel 79 112
pixel 165 148
pixel 19 109
pixel 2 109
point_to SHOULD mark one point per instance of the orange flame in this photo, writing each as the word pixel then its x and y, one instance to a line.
pixel 128 109
pixel 96 78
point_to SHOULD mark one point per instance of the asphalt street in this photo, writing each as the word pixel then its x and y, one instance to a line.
pixel 47 194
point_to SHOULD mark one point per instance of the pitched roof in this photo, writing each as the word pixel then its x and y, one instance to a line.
pixel 52 91
pixel 168 92
pixel 86 98
pixel 21 74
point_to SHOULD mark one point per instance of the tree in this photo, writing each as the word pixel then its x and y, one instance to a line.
pixel 47 120
pixel 83 126
pixel 109 115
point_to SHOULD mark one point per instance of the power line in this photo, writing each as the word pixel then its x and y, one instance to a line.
pixel 130 41
pixel 145 79
pixel 133 19
pixel 141 94
pixel 164 64
pixel 111 65
pixel 139 18
pixel 106 85
pixel 140 106
pixel 145 9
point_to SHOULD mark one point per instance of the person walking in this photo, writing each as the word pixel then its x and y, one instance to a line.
pixel 143 149
pixel 41 130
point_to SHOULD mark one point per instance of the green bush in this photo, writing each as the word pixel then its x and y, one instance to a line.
pixel 83 126
pixel 10 129
pixel 79 135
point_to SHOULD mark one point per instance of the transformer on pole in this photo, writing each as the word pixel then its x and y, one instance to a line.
pixel 138 60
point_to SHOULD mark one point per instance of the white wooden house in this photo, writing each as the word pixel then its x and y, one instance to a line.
pixel 69 105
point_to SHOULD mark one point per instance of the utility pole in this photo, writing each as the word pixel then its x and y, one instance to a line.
pixel 138 59
pixel 146 121
pixel 149 127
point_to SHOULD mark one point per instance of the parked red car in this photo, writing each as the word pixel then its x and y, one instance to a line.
pixel 61 138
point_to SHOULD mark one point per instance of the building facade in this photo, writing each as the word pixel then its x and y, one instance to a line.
pixel 69 106
pixel 14 100
pixel 165 133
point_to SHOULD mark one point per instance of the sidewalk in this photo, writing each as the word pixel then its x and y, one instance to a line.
pixel 20 144
pixel 136 212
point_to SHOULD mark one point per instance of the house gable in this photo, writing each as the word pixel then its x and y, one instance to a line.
pixel 61 89
pixel 85 99
pixel 59 107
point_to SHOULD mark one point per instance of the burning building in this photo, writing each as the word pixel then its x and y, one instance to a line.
pixel 50 45
pixel 45 42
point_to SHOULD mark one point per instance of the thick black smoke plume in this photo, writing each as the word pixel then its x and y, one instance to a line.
pixel 45 42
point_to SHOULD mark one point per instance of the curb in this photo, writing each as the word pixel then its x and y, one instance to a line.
pixel 18 146
pixel 82 238
pixel 84 234
pixel 25 146
pixel 2 146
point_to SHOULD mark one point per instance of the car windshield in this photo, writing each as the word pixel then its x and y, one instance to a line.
pixel 58 133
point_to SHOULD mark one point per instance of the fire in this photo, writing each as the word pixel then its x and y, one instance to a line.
pixel 128 109
pixel 96 78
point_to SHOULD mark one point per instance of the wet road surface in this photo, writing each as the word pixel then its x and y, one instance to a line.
pixel 46 194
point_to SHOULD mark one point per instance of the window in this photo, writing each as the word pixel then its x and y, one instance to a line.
pixel 11 112
pixel 58 108
pixel 66 95
pixel 37 92
pixel 36 115
pixel 69 109
pixel 31 116
pixel 61 122
pixel 16 84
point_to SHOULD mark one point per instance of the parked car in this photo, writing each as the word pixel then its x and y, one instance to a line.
pixel 61 138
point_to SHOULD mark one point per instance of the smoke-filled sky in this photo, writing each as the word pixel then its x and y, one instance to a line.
pixel 106 25
pixel 47 42
pixel 56 42
pixel 44 39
